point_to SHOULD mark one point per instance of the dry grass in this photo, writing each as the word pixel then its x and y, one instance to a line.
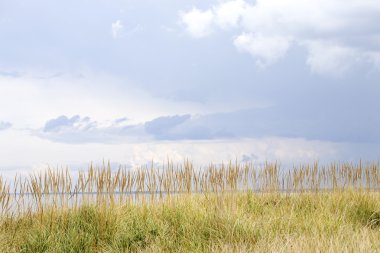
pixel 241 222
pixel 178 208
pixel 58 189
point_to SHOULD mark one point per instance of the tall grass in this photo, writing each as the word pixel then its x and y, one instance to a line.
pixel 57 189
pixel 234 207
pixel 345 221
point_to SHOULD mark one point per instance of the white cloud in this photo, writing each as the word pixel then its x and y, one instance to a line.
pixel 95 141
pixel 266 49
pixel 331 59
pixel 347 29
pixel 228 14
pixel 77 129
pixel 117 29
pixel 295 16
pixel 285 150
pixel 99 96
pixel 198 23
pixel 252 123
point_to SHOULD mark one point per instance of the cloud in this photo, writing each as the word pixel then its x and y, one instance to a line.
pixel 162 127
pixel 337 36
pixel 331 125
pixel 27 151
pixel 5 125
pixel 198 23
pixel 331 59
pixel 117 29
pixel 84 94
pixel 63 123
pixel 77 129
pixel 228 14
pixel 184 127
pixel 266 49
pixel 342 122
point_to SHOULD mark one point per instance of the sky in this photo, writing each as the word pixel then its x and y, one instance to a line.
pixel 135 81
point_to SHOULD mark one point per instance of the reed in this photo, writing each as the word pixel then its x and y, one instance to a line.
pixel 57 189
pixel 228 207
pixel 339 221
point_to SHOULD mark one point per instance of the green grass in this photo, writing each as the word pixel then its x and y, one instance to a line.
pixel 346 221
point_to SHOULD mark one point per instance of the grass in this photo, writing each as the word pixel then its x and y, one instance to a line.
pixel 220 208
pixel 242 222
